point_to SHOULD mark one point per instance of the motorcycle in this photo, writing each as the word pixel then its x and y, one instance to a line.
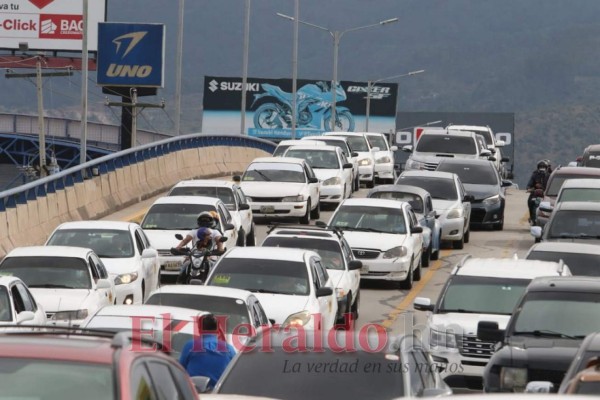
pixel 313 108
pixel 197 263
pixel 536 198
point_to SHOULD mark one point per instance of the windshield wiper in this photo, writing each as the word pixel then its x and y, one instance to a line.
pixel 545 332
pixel 364 229
pixel 51 286
pixel 263 291
pixel 266 178
pixel 459 310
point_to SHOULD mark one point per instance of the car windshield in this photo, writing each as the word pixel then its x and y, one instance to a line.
pixel 317 159
pixel 471 174
pixel 317 375
pixel 377 141
pixel 329 250
pixel 579 194
pixel 556 181
pixel 49 272
pixel 575 224
pixel 370 218
pixel 415 201
pixel 557 313
pixel 262 276
pixel 274 172
pixel 579 263
pixel 339 143
pixel 446 144
pixel 5 307
pixel 234 310
pixel 279 150
pixel 357 143
pixel 438 188
pixel 55 380
pixel 174 216
pixel 482 294
pixel 224 194
pixel 486 134
pixel 106 243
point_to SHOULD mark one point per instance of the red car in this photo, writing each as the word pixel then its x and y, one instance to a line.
pixel 67 366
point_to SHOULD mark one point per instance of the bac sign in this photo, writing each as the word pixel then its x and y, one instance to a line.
pixel 131 54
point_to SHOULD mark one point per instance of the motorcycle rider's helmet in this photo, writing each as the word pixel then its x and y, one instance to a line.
pixel 205 219
pixel 203 233
pixel 543 165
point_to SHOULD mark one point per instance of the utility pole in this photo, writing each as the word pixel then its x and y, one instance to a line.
pixel 178 68
pixel 295 69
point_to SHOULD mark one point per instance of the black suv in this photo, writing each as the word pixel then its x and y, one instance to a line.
pixel 550 321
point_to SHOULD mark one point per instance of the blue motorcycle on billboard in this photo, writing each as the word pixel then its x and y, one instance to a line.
pixel 313 102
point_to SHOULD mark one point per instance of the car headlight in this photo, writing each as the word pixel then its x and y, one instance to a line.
pixel 395 252
pixel 514 379
pixel 70 315
pixel 455 213
pixel 365 161
pixel 442 339
pixel 336 180
pixel 298 319
pixel 340 293
pixel 293 199
pixel 412 164
pixel 126 278
pixel 383 160
pixel 492 200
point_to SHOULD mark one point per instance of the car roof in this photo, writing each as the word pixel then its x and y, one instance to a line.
pixel 97 224
pixel 325 147
pixel 400 189
pixel 269 253
pixel 282 160
pixel 581 183
pixel 473 128
pixel 149 310
pixel 201 290
pixel 309 232
pixel 578 205
pixel 213 201
pixel 336 138
pixel 49 251
pixel 577 171
pixel 507 268
pixel 566 247
pixel 431 174
pixel 370 202
pixel 593 147
pixel 446 132
pixel 294 142
pixel 586 284
pixel 465 161
pixel 206 182
pixel 340 133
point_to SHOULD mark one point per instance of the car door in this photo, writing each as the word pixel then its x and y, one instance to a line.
pixel 429 213
pixel 226 218
pixel 104 297
pixel 326 306
pixel 245 215
pixel 466 204
pixel 313 188
pixel 30 304
pixel 145 266
pixel 354 275
pixel 417 238
pixel 346 172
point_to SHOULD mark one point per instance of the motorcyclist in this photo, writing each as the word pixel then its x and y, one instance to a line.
pixel 538 180
pixel 204 243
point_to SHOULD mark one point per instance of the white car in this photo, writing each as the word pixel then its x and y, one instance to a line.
pixel 286 144
pixel 336 256
pixel 123 248
pixel 384 236
pixel 366 159
pixel 332 168
pixel 384 158
pixel 233 197
pixel 292 285
pixel 234 306
pixel 69 282
pixel 342 143
pixel 451 202
pixel 17 304
pixel 282 187
pixel 492 144
pixel 173 215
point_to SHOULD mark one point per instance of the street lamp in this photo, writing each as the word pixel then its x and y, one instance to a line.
pixel 337 36
pixel 370 89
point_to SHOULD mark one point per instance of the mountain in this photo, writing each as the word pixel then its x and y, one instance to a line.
pixel 536 58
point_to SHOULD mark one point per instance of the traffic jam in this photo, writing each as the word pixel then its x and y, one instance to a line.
pixel 225 284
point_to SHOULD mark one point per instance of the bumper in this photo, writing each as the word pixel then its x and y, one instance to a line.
pixel 483 215
pixel 130 291
pixel 453 229
pixel 332 194
pixel 169 265
pixel 384 171
pixel 366 173
pixel 75 323
pixel 459 371
pixel 389 270
pixel 278 210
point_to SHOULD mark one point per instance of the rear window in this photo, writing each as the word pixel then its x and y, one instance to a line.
pixel 224 194
pixel 472 173
pixel 579 194
pixel 557 179
pixel 446 144
pixel 592 159
pixel 438 188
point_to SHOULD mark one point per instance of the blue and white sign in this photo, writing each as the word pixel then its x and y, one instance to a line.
pixel 131 54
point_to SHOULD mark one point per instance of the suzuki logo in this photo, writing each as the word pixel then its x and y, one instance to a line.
pixel 134 37
pixel 213 85
pixel 128 71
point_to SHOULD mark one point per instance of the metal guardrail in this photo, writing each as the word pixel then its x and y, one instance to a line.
pixel 103 165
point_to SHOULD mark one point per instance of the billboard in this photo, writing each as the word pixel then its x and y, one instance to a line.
pixel 269 105
pixel 49 24
pixel 131 54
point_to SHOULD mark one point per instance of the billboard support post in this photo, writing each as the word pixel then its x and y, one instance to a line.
pixel 245 66
pixel 41 127
pixel 133 117
pixel 178 69
pixel 295 69
pixel 84 86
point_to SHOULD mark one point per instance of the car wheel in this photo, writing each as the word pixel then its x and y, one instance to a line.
pixel 418 270
pixel 251 238
pixel 241 240
pixel 459 244
pixel 342 319
pixel 371 183
pixel 306 219
pixel 356 184
pixel 499 226
pixel 467 235
pixel 407 283
pixel 426 256
pixel 356 307
pixel 316 213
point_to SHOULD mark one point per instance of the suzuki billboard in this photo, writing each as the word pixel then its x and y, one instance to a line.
pixel 269 105
pixel 49 24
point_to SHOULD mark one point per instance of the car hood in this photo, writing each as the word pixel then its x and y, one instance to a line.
pixel 164 239
pixel 481 192
pixel 116 266
pixel 465 323
pixel 336 276
pixel 280 306
pixel 443 205
pixel 364 154
pixel 54 300
pixel 373 240
pixel 324 174
pixel 272 189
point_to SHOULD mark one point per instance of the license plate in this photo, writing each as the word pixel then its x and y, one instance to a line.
pixel 172 266
pixel 364 269
pixel 267 209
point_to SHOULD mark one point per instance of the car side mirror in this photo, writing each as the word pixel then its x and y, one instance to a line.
pixel 488 331
pixel 536 232
pixel 348 166
pixel 229 227
pixel 539 387
pixel 324 291
pixel 469 197
pixel 505 159
pixel 103 284
pixel 244 206
pixel 407 148
pixel 394 148
pixel 506 183
pixel 149 253
pixel 201 383
pixel 500 143
pixel 353 265
pixel 491 158
pixel 25 316
pixel 545 206
pixel 423 304
pixel 237 178
pixel 375 149
pixel 313 180
pixel 485 153
pixel 416 229
pixel 321 224
pixel 178 236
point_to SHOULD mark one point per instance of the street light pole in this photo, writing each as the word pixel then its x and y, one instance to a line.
pixel 295 69
pixel 370 89
pixel 245 66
